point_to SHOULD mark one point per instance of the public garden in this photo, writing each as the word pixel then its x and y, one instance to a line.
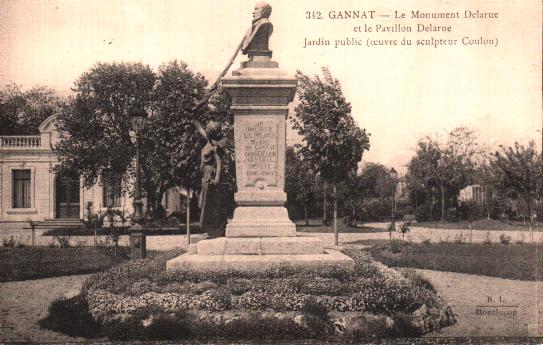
pixel 317 245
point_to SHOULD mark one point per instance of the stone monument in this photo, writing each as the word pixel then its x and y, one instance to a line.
pixel 260 234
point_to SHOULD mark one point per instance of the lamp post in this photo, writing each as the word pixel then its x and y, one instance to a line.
pixel 137 237
pixel 393 176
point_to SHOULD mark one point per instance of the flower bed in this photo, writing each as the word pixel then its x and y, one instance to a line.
pixel 371 294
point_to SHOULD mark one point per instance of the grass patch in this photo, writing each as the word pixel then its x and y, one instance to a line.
pixel 105 231
pixel 513 261
pixel 44 262
pixel 317 226
pixel 481 224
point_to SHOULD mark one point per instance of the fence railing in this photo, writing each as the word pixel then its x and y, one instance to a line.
pixel 20 141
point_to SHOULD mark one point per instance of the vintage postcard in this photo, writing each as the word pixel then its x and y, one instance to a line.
pixel 324 171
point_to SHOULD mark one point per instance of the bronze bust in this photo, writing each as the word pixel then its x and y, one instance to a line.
pixel 255 41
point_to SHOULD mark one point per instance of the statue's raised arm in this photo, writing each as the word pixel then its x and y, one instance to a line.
pixel 255 41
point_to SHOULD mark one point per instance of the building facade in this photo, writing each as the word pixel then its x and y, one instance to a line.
pixel 31 191
pixel 473 193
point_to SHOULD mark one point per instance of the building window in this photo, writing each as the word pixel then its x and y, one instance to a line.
pixel 111 190
pixel 21 188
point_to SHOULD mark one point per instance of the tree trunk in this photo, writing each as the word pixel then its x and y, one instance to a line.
pixel 530 211
pixel 336 239
pixel 305 213
pixel 432 203
pixel 188 217
pixel 442 203
pixel 324 206
pixel 487 206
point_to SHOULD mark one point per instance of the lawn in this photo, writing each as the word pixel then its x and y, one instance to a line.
pixel 43 262
pixel 83 231
pixel 482 224
pixel 317 226
pixel 513 261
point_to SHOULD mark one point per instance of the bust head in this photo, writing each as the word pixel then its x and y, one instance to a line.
pixel 262 10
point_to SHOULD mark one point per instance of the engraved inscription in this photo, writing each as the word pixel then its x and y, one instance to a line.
pixel 260 147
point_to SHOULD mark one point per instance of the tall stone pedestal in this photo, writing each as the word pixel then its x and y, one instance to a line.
pixel 260 234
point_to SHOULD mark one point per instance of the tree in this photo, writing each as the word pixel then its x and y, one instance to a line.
pixel 172 146
pixel 446 166
pixel 485 177
pixel 332 141
pixel 375 181
pixel 518 170
pixel 22 112
pixel 95 128
pixel 299 180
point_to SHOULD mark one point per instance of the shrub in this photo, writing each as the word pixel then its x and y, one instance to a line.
pixel 451 215
pixel 520 240
pixel 93 220
pixel 470 211
pixel 71 316
pixel 505 239
pixel 423 214
pixel 62 241
pixel 396 246
pixel 405 228
pixel 487 240
pixel 11 243
pixel 317 319
pixel 460 239
pixel 359 211
pixel 404 207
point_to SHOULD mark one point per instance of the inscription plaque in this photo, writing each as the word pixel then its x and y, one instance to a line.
pixel 260 151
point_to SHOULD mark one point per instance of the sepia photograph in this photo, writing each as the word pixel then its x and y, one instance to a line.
pixel 279 172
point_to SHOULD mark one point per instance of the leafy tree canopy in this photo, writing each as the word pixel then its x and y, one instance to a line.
pixel 518 170
pixel 96 133
pixel 332 141
pixel 22 112
pixel 444 166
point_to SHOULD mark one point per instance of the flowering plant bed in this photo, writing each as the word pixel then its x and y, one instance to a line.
pixel 370 300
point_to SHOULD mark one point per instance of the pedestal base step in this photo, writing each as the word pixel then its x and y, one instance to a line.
pixel 269 221
pixel 261 246
pixel 253 263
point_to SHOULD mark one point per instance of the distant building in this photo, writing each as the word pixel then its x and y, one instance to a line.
pixel 474 193
pixel 401 189
pixel 30 190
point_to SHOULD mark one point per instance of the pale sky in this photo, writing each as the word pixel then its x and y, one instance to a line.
pixel 397 93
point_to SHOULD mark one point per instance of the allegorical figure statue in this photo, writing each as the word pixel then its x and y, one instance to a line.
pixel 255 41
pixel 216 198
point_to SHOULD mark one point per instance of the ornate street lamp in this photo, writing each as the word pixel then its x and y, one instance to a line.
pixel 394 177
pixel 138 116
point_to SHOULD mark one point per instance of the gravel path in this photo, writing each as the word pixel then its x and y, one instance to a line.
pixel 465 291
pixel 23 303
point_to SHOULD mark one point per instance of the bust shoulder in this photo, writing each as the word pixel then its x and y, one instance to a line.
pixel 257 36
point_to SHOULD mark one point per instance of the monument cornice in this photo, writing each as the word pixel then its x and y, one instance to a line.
pixel 259 110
